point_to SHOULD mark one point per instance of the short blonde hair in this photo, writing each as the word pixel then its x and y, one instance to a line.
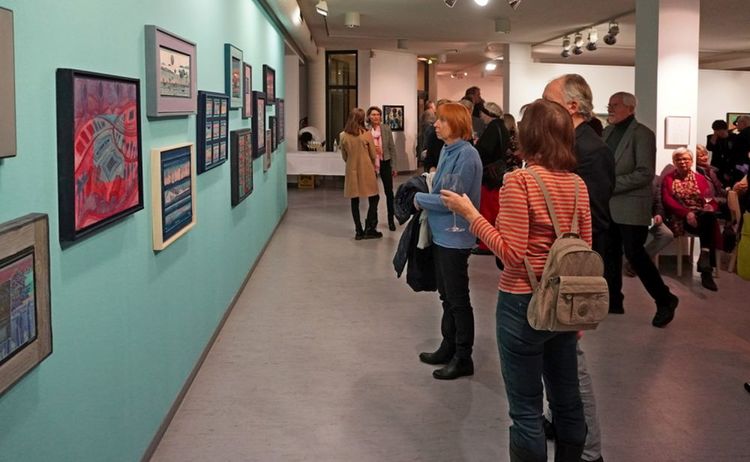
pixel 680 151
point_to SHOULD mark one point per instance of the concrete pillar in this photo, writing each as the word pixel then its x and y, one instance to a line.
pixel 292 100
pixel 516 59
pixel 666 67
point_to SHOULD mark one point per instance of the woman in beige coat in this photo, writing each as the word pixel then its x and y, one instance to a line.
pixel 358 151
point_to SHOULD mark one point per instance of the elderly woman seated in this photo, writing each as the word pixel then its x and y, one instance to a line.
pixel 690 207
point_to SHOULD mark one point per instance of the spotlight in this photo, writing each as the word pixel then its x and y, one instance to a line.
pixel 490 66
pixel 450 3
pixel 429 61
pixel 593 36
pixel 514 3
pixel 351 19
pixel 577 50
pixel 565 53
pixel 611 37
pixel 578 40
pixel 566 43
pixel 322 8
pixel 481 2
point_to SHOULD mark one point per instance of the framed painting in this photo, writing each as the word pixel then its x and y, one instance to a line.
pixel 171 74
pixel 269 83
pixel 233 75
pixel 247 91
pixel 676 131
pixel 211 133
pixel 173 190
pixel 393 116
pixel 259 124
pixel 732 118
pixel 7 86
pixel 241 163
pixel 99 160
pixel 25 327
pixel 280 121
pixel 273 126
pixel 267 154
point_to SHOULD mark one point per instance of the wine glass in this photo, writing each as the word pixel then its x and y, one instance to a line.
pixel 452 182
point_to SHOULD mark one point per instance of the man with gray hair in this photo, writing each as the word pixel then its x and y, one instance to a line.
pixel 634 146
pixel 596 167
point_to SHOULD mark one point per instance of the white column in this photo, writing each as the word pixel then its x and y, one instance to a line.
pixel 291 100
pixel 516 91
pixel 666 67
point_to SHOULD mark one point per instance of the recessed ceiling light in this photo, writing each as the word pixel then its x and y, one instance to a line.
pixel 481 2
pixel 490 66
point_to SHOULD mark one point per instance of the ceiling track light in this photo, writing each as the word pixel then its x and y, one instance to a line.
pixel 593 37
pixel 450 3
pixel 514 4
pixel 322 8
pixel 566 43
pixel 611 37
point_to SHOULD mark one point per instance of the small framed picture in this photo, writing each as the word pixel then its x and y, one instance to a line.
pixel 247 91
pixel 259 124
pixel 171 74
pixel 731 119
pixel 173 188
pixel 267 154
pixel 241 163
pixel 233 75
pixel 269 83
pixel 393 116
pixel 280 121
pixel 25 327
pixel 212 131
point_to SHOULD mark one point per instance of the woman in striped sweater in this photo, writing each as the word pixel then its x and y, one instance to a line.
pixel 524 229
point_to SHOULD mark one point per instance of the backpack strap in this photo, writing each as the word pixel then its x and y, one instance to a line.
pixel 551 209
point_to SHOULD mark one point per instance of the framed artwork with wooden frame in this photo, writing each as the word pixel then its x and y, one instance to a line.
pixel 99 160
pixel 241 162
pixel 7 86
pixel 269 83
pixel 212 125
pixel 247 91
pixel 393 116
pixel 259 124
pixel 173 193
pixel 171 74
pixel 25 327
pixel 233 75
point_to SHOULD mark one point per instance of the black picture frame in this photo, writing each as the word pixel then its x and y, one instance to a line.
pixel 247 91
pixel 241 165
pixel 26 318
pixel 393 116
pixel 280 123
pixel 233 75
pixel 167 93
pixel 259 124
pixel 97 189
pixel 269 83
pixel 212 127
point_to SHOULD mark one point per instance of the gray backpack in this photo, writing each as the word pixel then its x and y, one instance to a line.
pixel 572 294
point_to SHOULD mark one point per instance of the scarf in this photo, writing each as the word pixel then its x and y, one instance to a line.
pixel 686 191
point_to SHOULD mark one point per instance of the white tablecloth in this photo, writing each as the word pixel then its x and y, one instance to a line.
pixel 315 163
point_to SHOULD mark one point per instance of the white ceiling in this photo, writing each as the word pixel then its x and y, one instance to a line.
pixel 464 31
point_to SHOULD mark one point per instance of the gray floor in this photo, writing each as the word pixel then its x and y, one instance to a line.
pixel 318 362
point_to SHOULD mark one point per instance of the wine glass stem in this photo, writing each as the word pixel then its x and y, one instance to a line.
pixel 454 220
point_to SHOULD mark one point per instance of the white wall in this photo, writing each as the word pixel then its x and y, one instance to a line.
pixel 393 81
pixel 455 89
pixel 316 96
pixel 720 92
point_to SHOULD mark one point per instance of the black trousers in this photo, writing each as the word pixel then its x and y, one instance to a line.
pixel 372 213
pixel 705 232
pixel 386 176
pixel 452 275
pixel 630 240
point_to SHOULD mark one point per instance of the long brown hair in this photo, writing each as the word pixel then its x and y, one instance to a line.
pixel 355 123
pixel 546 136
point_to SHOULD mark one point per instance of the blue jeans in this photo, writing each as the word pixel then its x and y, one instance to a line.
pixel 527 356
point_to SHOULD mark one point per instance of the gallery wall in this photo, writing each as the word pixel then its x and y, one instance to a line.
pixel 454 89
pixel 128 324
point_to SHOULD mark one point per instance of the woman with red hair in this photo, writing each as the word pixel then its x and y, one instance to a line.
pixel 451 249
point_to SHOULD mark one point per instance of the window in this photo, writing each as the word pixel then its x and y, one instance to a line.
pixel 341 91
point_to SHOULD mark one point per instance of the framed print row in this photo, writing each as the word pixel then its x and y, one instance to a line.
pixel 25 324
pixel 7 86
pixel 173 193
pixel 99 161
pixel 212 130
pixel 171 71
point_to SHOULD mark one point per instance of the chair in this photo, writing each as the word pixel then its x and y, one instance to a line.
pixel 733 203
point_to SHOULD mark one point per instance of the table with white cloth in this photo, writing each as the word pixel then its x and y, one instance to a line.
pixel 315 163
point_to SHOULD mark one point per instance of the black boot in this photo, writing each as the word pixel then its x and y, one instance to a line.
pixel 440 356
pixel 457 367
pixel 707 281
pixel 568 452
pixel 522 455
pixel 391 224
pixel 704 262
pixel 665 313
pixel 370 231
pixel 359 234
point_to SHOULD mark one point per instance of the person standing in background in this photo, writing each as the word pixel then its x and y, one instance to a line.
pixel 386 150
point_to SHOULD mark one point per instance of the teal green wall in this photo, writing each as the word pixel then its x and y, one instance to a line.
pixel 128 324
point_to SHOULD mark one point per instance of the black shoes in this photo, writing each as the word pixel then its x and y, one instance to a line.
pixel 441 356
pixel 707 281
pixel 665 314
pixel 359 235
pixel 372 234
pixel 457 367
pixel 747 386
pixel 391 225
pixel 704 262
pixel 616 310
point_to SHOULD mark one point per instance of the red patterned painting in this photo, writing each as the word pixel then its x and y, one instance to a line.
pixel 106 150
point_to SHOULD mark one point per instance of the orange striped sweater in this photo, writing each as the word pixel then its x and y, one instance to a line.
pixel 524 227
